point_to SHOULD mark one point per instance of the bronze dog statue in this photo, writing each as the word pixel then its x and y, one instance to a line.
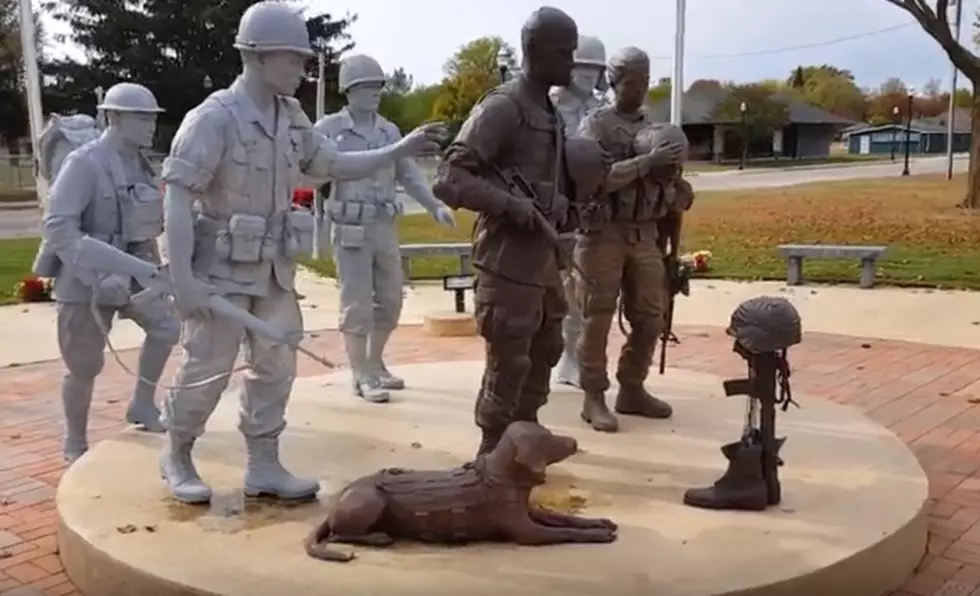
pixel 483 500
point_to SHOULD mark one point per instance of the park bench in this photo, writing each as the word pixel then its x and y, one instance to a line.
pixel 795 253
pixel 460 250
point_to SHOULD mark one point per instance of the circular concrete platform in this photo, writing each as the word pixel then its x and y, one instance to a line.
pixel 852 519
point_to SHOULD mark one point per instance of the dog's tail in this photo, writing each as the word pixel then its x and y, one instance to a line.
pixel 316 545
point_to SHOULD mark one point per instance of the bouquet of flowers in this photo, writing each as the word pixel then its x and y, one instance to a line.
pixel 34 289
pixel 698 262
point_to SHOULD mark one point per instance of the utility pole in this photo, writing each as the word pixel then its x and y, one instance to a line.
pixel 28 42
pixel 677 79
pixel 318 199
pixel 951 116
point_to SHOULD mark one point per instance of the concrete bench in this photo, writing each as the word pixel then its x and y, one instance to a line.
pixel 460 250
pixel 795 253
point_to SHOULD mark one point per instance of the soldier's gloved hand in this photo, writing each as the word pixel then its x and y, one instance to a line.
pixel 192 297
pixel 427 138
pixel 115 288
pixel 665 154
pixel 522 212
pixel 444 217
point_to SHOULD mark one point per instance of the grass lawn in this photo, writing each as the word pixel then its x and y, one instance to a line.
pixel 769 163
pixel 16 258
pixel 932 242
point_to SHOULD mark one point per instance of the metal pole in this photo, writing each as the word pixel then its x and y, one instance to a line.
pixel 33 80
pixel 318 198
pixel 677 78
pixel 908 137
pixel 951 117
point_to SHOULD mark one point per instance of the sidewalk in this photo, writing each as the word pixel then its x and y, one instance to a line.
pixel 942 318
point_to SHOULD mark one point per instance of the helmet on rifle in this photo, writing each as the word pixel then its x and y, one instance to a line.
pixel 587 165
pixel 766 324
pixel 271 26
pixel 660 134
pixel 358 69
pixel 130 98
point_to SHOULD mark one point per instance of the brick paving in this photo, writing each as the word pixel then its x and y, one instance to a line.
pixel 929 396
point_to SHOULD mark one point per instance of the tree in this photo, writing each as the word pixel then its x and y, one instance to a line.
pixel 470 73
pixel 173 48
pixel 14 125
pixel 829 88
pixel 893 93
pixel 701 85
pixel 935 22
pixel 764 112
pixel 659 92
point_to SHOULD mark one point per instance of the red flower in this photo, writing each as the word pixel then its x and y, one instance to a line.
pixel 33 289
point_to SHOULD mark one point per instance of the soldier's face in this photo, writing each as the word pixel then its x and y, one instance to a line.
pixel 631 90
pixel 138 129
pixel 585 77
pixel 558 58
pixel 365 97
pixel 283 71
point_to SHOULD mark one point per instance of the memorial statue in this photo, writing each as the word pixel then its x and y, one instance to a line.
pixel 363 216
pixel 231 230
pixel 486 499
pixel 764 328
pixel 105 189
pixel 574 102
pixel 505 164
pixel 618 246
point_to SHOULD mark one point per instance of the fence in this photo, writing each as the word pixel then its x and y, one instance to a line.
pixel 16 172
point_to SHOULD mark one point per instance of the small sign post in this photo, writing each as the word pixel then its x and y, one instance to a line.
pixel 459 284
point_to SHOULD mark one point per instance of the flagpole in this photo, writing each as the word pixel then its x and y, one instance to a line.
pixel 677 80
pixel 951 114
pixel 32 77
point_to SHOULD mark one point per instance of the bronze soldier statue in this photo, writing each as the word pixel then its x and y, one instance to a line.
pixel 620 248
pixel 505 164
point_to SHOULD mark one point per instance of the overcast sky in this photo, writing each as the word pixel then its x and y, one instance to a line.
pixel 419 36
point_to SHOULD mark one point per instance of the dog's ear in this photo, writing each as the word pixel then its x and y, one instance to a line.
pixel 530 452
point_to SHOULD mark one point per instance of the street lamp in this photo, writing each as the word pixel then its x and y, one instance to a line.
pixel 207 82
pixel 504 59
pixel 742 108
pixel 895 123
pixel 908 132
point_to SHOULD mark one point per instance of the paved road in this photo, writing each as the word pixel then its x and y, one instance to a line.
pixel 26 223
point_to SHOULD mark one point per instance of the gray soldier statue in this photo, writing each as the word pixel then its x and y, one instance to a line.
pixel 574 103
pixel 106 189
pixel 230 175
pixel 363 215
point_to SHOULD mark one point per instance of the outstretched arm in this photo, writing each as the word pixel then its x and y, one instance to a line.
pixel 461 181
pixel 410 175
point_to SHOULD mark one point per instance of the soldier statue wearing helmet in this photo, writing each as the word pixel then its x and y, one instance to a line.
pixel 574 102
pixel 363 215
pixel 233 165
pixel 619 246
pixel 106 189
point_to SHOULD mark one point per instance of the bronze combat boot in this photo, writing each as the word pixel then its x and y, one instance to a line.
pixel 596 414
pixel 742 486
pixel 635 400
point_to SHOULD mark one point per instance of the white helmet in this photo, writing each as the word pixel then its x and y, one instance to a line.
pixel 590 51
pixel 131 98
pixel 359 69
pixel 270 26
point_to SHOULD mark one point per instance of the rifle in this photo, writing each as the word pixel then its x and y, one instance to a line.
pixel 518 185
pixel 97 256
pixel 677 280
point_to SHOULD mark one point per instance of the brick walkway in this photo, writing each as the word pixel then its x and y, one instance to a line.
pixel 927 395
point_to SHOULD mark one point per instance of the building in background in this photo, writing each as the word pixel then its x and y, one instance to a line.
pixel 928 135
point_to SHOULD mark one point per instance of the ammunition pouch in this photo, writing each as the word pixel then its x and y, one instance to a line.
pixel 246 240
pixel 358 213
pixel 141 207
pixel 299 233
pixel 349 236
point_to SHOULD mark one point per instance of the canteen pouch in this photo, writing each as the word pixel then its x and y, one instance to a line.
pixel 300 229
pixel 244 240
pixel 348 236
pixel 142 213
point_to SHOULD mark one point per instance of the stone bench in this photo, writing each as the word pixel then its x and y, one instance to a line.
pixel 460 250
pixel 795 253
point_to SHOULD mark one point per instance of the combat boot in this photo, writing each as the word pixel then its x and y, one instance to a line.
pixel 596 414
pixel 76 399
pixel 376 348
pixel 178 472
pixel 635 400
pixel 366 384
pixel 266 476
pixel 742 486
pixel 142 411
pixel 567 371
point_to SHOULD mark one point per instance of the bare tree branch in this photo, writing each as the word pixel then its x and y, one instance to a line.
pixel 936 24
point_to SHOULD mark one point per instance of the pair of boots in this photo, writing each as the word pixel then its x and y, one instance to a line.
pixel 264 477
pixel 745 485
pixel 371 379
pixel 631 400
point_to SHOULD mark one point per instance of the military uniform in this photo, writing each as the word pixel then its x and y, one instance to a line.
pixel 108 195
pixel 619 249
pixel 519 298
